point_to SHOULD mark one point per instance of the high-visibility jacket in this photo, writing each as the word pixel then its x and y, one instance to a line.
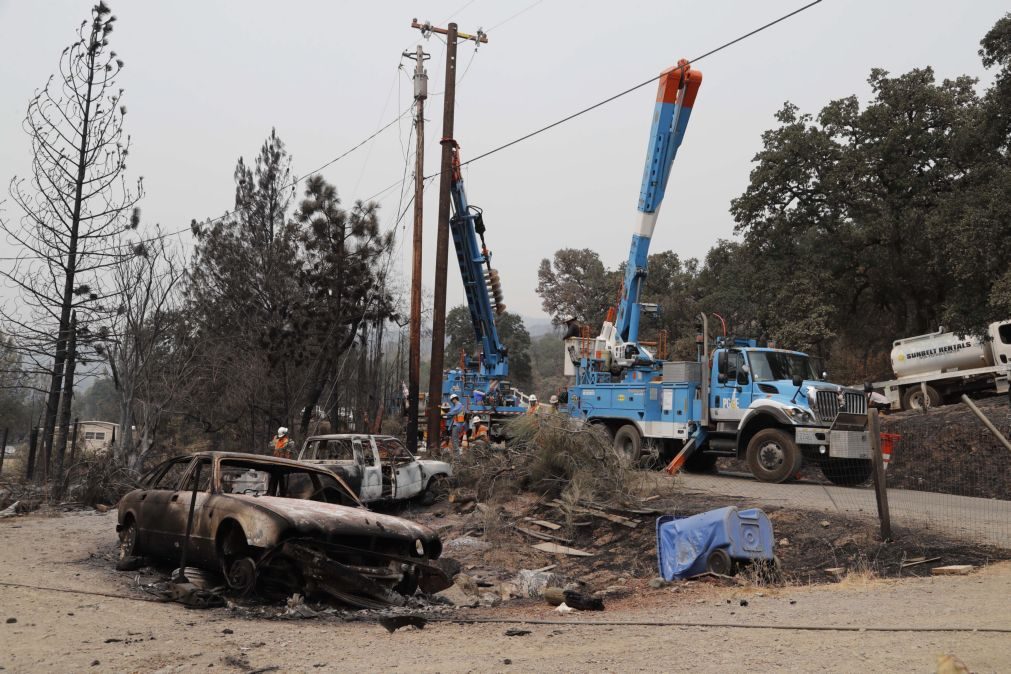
pixel 457 413
pixel 282 447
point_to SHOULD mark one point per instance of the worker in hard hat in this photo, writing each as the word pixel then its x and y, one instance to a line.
pixel 282 444
pixel 532 408
pixel 553 404
pixel 479 432
pixel 458 419
pixel 572 327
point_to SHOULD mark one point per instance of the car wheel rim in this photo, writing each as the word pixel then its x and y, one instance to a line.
pixel 127 541
pixel 771 456
pixel 242 574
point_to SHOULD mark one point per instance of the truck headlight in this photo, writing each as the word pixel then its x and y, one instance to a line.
pixel 799 413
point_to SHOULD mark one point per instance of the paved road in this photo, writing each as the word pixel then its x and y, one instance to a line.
pixel 980 520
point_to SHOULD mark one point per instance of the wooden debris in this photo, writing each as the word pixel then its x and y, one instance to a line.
pixel 542 536
pixel 577 600
pixel 917 561
pixel 554 595
pixel 561 550
pixel 545 568
pixel 544 523
pixel 836 571
pixel 617 519
pixel 461 497
pixel 953 570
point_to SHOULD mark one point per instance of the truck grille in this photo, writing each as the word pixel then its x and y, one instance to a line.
pixel 827 404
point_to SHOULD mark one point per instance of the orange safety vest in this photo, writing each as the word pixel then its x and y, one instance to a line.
pixel 281 447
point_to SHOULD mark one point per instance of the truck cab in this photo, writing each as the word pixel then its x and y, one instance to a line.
pixel 376 467
pixel 773 408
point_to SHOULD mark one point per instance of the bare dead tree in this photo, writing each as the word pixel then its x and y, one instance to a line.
pixel 148 363
pixel 75 205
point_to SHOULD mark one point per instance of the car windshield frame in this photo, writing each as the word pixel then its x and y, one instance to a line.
pixel 276 470
pixel 780 366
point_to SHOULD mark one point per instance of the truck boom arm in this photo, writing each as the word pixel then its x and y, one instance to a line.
pixel 675 97
pixel 480 282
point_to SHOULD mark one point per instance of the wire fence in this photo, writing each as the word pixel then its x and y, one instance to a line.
pixel 946 474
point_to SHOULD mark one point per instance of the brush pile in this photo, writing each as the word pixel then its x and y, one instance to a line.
pixel 550 455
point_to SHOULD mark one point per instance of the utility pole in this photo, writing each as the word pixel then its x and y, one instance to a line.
pixel 442 240
pixel 414 350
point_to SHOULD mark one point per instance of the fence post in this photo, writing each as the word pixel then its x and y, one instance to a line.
pixel 3 451
pixel 33 441
pixel 986 422
pixel 880 486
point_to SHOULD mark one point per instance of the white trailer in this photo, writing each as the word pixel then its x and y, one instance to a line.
pixel 929 369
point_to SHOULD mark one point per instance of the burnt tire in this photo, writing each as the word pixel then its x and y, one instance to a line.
pixel 437 489
pixel 772 455
pixel 847 472
pixel 628 445
pixel 129 540
pixel 913 398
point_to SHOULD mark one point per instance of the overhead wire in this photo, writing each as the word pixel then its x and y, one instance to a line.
pixel 640 85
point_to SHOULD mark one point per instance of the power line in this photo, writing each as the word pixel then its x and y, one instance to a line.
pixel 522 11
pixel 228 213
pixel 637 86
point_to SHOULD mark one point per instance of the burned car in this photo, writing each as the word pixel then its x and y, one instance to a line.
pixel 279 526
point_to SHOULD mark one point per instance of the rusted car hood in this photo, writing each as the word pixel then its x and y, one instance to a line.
pixel 309 515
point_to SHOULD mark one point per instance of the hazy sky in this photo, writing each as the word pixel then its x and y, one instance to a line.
pixel 205 82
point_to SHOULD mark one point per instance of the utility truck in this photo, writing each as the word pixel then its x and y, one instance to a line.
pixel 769 406
pixel 481 381
pixel 933 368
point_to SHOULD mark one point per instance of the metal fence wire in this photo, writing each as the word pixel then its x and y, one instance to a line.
pixel 946 474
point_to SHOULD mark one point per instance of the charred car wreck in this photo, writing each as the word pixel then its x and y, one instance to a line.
pixel 279 526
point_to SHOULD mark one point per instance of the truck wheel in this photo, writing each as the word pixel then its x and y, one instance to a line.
pixel 847 472
pixel 628 445
pixel 772 455
pixel 912 399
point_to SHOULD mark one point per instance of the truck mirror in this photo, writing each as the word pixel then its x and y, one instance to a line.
pixel 721 363
pixel 798 380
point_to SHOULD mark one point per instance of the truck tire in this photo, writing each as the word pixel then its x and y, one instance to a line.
pixel 912 398
pixel 773 455
pixel 628 445
pixel 847 472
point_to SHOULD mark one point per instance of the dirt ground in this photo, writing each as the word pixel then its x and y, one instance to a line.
pixel 118 628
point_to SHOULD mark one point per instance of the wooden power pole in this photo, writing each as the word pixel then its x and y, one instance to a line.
pixel 414 349
pixel 442 239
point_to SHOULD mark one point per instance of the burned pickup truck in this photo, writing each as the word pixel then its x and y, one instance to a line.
pixel 378 467
pixel 279 526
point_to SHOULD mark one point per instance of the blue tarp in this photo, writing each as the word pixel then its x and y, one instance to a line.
pixel 683 545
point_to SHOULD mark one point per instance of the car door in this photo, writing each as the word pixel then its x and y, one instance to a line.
pixel 177 508
pixel 153 522
pixel 730 399
pixel 406 470
pixel 372 476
